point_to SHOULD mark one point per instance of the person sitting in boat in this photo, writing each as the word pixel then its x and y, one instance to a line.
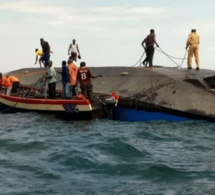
pixel 39 53
pixel 84 78
pixel 65 81
pixel 73 69
pixel 5 82
pixel 51 79
pixel 15 83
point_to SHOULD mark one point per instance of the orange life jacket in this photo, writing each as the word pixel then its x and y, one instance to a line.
pixel 13 79
pixel 6 82
pixel 72 73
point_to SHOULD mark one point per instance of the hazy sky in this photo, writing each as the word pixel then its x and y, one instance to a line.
pixel 108 32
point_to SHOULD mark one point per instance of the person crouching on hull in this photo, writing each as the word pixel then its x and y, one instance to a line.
pixel 5 84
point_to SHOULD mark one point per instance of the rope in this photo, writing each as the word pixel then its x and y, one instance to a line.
pixel 39 84
pixel 139 61
pixel 171 57
pixel 168 56
pixel 151 90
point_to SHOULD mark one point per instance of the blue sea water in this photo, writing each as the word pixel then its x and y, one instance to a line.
pixel 41 154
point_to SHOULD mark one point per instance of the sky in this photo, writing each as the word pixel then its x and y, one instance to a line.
pixel 108 32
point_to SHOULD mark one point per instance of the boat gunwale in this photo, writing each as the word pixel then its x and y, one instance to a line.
pixel 43 101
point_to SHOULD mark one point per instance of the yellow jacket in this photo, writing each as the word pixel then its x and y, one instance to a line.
pixel 39 53
pixel 193 39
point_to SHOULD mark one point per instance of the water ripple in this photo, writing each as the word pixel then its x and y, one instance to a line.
pixel 41 154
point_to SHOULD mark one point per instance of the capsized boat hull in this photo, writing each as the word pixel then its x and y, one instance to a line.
pixel 134 115
pixel 167 90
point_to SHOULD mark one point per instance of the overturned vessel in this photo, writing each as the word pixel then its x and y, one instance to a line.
pixel 158 93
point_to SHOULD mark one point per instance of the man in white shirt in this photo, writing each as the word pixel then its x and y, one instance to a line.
pixel 51 79
pixel 74 50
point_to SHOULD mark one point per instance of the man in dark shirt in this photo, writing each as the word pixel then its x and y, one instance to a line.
pixel 65 81
pixel 149 47
pixel 84 77
pixel 46 51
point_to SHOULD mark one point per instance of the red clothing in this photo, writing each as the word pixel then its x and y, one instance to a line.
pixel 150 40
pixel 84 75
pixel 74 55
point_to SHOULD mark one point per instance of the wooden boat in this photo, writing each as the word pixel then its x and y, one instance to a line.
pixel 30 99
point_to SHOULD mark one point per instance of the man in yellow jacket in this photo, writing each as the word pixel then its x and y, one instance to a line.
pixel 41 58
pixel 193 44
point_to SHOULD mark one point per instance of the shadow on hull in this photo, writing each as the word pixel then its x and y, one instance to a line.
pixel 142 115
pixel 133 115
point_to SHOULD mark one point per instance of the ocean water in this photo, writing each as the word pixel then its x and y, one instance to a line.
pixel 41 154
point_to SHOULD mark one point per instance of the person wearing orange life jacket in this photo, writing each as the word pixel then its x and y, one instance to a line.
pixel 4 82
pixel 72 68
pixel 15 83
pixel 193 44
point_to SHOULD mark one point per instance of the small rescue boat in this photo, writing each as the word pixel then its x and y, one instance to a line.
pixel 31 99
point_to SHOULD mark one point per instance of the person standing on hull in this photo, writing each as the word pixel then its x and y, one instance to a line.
pixel 51 79
pixel 146 60
pixel 149 42
pixel 74 50
pixel 46 51
pixel 73 69
pixel 65 80
pixel 84 78
pixel 193 44
pixel 39 53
